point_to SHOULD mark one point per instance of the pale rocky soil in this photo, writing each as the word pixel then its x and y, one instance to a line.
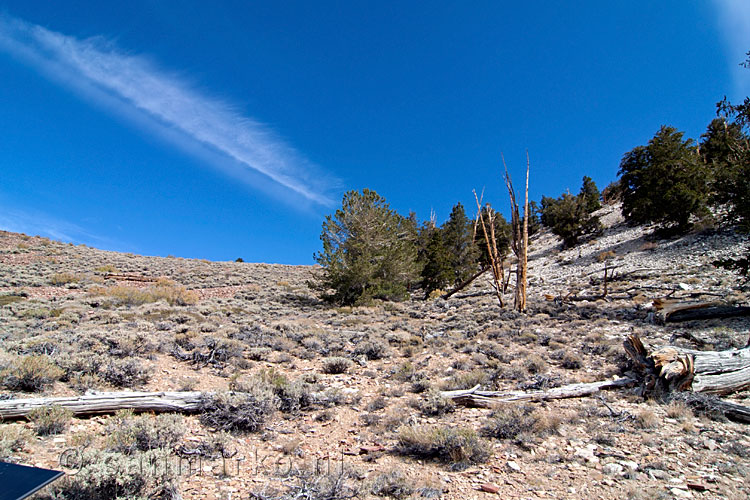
pixel 613 446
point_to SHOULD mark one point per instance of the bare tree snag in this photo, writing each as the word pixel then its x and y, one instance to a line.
pixel 496 262
pixel 520 240
pixel 107 402
pixel 484 399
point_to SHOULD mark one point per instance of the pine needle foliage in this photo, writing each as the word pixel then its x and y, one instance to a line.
pixel 664 182
pixel 369 251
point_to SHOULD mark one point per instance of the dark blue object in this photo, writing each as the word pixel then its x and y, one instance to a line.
pixel 20 481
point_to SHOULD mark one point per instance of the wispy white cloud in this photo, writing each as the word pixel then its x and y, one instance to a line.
pixel 134 86
pixel 734 21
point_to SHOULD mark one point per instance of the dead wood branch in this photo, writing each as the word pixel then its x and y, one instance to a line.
pixel 107 402
pixel 484 399
pixel 466 283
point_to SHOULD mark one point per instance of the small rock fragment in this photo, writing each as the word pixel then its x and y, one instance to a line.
pixel 490 488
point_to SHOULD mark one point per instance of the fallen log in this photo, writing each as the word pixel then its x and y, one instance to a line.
pixel 671 368
pixel 130 277
pixel 484 399
pixel 713 406
pixel 107 402
pixel 694 376
pixel 689 311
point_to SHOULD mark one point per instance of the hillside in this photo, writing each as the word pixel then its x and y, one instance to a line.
pixel 106 321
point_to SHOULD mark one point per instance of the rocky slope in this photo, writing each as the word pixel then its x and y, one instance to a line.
pixel 79 313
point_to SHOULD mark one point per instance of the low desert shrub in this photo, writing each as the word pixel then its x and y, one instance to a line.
pixel 108 268
pixel 377 404
pixel 78 364
pixel 9 299
pixel 60 279
pixel 289 396
pixel 458 446
pixel 511 420
pixel 679 410
pixel 50 419
pixel 335 365
pixel 371 349
pixel 30 373
pixel 466 380
pixel 173 294
pixel 310 485
pixel 236 411
pixel 127 373
pixel 535 364
pixel 106 474
pixel 13 438
pixel 392 484
pixel 128 433
pixel 571 360
pixel 434 404
pixel 646 419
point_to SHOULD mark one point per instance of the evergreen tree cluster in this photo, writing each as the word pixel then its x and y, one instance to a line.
pixel 571 217
pixel 671 180
pixel 372 252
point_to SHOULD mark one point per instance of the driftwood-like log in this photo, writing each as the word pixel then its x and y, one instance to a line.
pixel 483 399
pixel 688 311
pixel 107 402
pixel 130 277
pixel 711 405
pixel 672 368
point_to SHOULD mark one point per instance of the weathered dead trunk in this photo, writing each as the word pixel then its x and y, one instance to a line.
pixel 688 311
pixel 484 399
pixel 520 237
pixel 496 262
pixel 107 402
pixel 672 368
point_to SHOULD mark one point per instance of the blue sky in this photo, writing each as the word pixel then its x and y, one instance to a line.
pixel 230 129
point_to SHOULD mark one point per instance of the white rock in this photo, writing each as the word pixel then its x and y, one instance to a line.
pixel 679 493
pixel 613 469
pixel 514 466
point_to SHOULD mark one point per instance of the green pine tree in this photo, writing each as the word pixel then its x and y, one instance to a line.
pixel 664 181
pixel 369 251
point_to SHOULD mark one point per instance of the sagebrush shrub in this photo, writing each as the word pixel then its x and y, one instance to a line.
pixel 392 484
pixel 106 474
pixel 13 438
pixel 126 373
pixel 50 419
pixel 236 411
pixel 508 421
pixel 31 373
pixel 459 446
pixel 335 365
pixel 128 433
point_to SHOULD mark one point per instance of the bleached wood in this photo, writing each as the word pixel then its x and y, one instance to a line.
pixel 484 399
pixel 107 402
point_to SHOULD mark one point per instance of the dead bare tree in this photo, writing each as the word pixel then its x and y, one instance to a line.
pixel 520 240
pixel 496 262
